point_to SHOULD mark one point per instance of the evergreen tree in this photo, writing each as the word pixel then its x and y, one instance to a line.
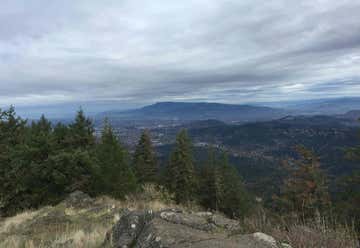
pixel 70 171
pixel 348 201
pixel 221 187
pixel 82 132
pixel 208 194
pixel 305 190
pixel 40 165
pixel 40 138
pixel 180 171
pixel 117 178
pixel 144 161
pixel 73 164
pixel 34 156
pixel 12 130
pixel 39 173
pixel 232 198
pixel 12 137
pixel 61 137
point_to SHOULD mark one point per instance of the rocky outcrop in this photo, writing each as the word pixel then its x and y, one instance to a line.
pixel 177 229
pixel 78 199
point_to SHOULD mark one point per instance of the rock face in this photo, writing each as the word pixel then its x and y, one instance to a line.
pixel 177 229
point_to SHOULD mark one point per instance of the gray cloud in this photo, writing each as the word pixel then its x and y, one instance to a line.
pixel 145 51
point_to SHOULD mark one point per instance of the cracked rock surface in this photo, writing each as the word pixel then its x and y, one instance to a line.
pixel 177 229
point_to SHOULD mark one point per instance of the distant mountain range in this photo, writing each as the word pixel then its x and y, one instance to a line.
pixel 353 115
pixel 348 108
pixel 198 111
pixel 332 106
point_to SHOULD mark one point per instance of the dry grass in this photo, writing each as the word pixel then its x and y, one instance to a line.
pixel 307 236
pixel 76 238
pixel 59 226
pixel 80 238
pixel 10 223
pixel 151 197
pixel 62 226
pixel 315 233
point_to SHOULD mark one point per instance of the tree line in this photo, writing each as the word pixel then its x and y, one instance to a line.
pixel 41 163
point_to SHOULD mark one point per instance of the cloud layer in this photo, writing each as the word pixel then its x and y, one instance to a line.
pixel 145 51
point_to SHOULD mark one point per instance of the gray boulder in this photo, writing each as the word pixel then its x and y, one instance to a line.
pixel 177 229
pixel 78 199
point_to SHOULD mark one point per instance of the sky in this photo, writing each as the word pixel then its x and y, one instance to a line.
pixel 135 52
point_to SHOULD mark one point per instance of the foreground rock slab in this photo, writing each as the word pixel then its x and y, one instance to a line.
pixel 177 229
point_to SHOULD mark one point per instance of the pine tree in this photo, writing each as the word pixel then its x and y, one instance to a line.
pixel 82 132
pixel 68 171
pixel 208 193
pixel 305 190
pixel 34 155
pixel 38 172
pixel 61 137
pixel 40 165
pixel 232 198
pixel 40 139
pixel 74 162
pixel 117 178
pixel 348 199
pixel 180 171
pixel 348 202
pixel 144 161
pixel 221 187
pixel 13 131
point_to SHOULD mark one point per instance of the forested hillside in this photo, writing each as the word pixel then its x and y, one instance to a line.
pixel 275 140
pixel 42 162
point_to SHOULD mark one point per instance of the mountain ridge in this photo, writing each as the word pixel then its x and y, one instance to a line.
pixel 198 111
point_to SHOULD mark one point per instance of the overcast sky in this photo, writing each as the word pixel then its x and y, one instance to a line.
pixel 140 52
